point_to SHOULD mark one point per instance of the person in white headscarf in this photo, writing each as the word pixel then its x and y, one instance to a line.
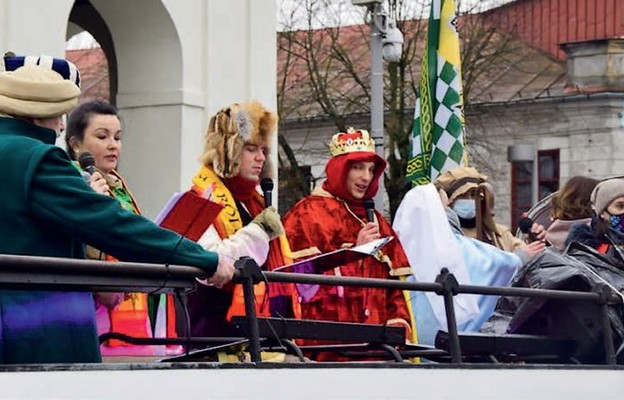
pixel 422 225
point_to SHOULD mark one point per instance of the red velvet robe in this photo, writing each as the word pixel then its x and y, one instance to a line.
pixel 320 224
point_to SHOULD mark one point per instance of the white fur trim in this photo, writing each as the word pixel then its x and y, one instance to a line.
pixel 31 60
pixel 243 123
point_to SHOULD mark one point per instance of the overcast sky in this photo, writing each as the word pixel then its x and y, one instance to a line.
pixel 292 14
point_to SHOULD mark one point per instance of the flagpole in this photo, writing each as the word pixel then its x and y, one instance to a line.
pixel 385 37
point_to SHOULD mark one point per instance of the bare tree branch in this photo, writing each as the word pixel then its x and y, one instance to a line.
pixel 325 70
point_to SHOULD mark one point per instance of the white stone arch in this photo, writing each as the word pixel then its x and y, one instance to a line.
pixel 174 63
pixel 144 53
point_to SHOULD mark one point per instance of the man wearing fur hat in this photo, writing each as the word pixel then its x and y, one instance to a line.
pixel 466 191
pixel 46 209
pixel 235 158
pixel 334 217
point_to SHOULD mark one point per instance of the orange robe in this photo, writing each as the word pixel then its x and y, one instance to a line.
pixel 131 317
pixel 211 308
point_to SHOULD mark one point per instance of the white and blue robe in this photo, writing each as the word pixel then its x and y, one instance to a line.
pixel 422 225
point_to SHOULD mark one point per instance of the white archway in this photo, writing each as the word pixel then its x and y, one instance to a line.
pixel 174 63
pixel 144 55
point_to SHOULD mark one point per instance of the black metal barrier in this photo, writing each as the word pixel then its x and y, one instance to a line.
pixel 46 273
pixel 445 285
pixel 67 274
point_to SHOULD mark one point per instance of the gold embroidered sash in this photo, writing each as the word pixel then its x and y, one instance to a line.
pixel 229 220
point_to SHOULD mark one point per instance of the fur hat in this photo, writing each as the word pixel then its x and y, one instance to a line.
pixel 230 129
pixel 36 91
pixel 459 181
pixel 605 192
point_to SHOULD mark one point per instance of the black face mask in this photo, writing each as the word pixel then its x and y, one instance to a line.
pixel 467 223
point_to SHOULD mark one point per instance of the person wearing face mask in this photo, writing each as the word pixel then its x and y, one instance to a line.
pixel 605 233
pixel 432 238
pixel 334 217
pixel 235 159
pixel 462 187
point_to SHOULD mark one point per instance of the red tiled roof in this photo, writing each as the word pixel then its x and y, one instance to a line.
pixel 503 70
pixel 548 23
pixel 521 73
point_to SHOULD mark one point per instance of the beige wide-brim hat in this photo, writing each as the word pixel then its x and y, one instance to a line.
pixel 459 181
pixel 37 92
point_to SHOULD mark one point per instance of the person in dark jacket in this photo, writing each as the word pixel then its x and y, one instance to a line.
pixel 46 209
pixel 605 233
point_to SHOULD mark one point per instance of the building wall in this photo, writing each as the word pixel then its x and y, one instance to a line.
pixel 34 26
pixel 587 130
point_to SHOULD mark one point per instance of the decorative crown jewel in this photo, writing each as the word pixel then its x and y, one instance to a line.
pixel 352 140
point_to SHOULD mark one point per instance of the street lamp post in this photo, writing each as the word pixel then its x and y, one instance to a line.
pixel 385 39
pixel 377 103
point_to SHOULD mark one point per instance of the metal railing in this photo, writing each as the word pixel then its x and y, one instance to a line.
pixel 59 274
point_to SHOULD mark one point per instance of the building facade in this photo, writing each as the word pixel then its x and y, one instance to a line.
pixel 561 91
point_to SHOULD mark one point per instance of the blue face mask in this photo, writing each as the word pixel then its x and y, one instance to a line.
pixel 465 208
pixel 617 222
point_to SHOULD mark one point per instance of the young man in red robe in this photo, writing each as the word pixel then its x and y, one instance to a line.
pixel 334 217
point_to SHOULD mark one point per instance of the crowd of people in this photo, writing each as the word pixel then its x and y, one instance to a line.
pixel 55 206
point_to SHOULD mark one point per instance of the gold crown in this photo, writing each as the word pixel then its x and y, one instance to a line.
pixel 352 140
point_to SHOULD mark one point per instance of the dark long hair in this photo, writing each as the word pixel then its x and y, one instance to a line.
pixel 80 118
pixel 573 200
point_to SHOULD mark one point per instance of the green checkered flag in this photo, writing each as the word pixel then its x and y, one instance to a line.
pixel 438 134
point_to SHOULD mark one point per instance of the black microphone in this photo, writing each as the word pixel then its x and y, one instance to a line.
pixel 525 224
pixel 87 162
pixel 369 205
pixel 266 184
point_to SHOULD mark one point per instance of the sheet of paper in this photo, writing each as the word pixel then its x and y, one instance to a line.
pixel 324 262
